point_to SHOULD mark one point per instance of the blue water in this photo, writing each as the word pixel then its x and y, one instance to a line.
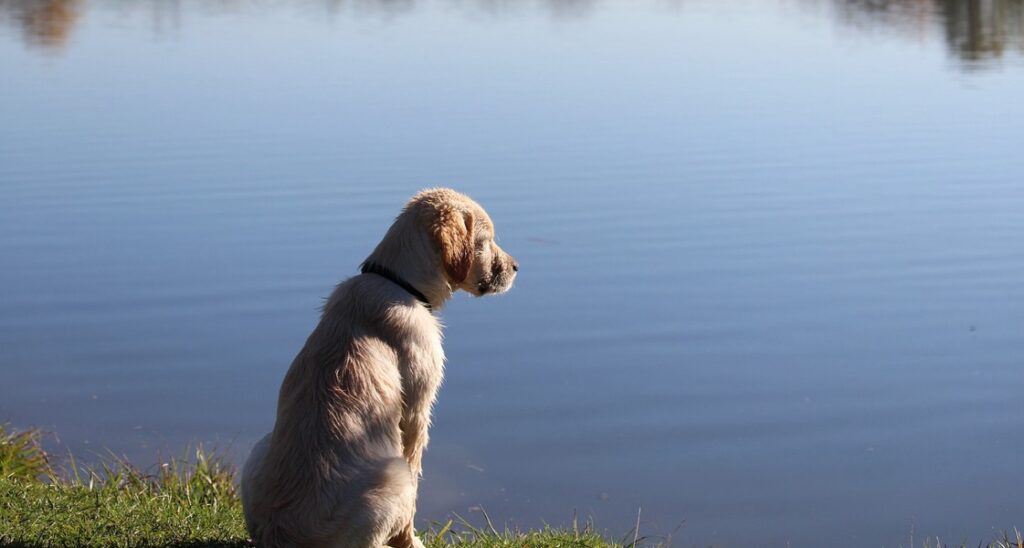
pixel 772 283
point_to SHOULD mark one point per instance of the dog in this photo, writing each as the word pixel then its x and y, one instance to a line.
pixel 341 467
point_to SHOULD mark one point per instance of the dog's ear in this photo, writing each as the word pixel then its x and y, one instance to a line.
pixel 453 232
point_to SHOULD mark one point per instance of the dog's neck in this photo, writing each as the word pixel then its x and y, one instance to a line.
pixel 374 268
pixel 425 288
pixel 413 262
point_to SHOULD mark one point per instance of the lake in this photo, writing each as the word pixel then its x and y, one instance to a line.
pixel 772 281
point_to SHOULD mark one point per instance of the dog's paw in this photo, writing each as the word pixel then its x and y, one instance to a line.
pixel 414 543
pixel 406 540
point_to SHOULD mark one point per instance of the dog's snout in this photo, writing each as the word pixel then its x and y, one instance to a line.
pixel 515 266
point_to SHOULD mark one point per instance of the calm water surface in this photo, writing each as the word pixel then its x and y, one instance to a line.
pixel 772 282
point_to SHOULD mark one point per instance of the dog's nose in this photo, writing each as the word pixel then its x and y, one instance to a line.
pixel 515 266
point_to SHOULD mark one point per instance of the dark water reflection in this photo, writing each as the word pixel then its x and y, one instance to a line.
pixel 976 31
pixel 43 23
pixel 973 30
pixel 772 251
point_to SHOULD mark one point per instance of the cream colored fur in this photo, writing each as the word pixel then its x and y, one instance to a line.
pixel 341 467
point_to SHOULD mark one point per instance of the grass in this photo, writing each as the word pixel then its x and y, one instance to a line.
pixel 192 501
pixel 184 502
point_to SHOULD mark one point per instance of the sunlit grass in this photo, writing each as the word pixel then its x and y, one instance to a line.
pixel 21 455
pixel 459 532
pixel 187 501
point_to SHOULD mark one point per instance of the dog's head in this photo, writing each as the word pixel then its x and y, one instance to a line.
pixel 464 238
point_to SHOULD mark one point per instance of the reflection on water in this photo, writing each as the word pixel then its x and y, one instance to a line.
pixel 976 31
pixel 44 23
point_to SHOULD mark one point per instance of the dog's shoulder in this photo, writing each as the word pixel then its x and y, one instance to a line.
pixel 377 306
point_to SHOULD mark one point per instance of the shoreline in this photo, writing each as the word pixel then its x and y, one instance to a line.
pixel 193 502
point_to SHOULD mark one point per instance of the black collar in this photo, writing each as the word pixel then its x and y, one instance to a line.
pixel 374 268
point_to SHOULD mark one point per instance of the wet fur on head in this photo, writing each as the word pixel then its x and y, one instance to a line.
pixel 342 465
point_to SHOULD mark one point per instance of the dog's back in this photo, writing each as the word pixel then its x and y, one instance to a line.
pixel 337 442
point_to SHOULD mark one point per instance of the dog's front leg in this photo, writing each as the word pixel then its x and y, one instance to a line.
pixel 418 399
pixel 406 539
pixel 414 440
pixel 415 425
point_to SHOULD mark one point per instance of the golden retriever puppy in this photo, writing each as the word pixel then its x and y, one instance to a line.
pixel 341 467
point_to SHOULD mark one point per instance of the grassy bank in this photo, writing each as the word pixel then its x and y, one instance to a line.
pixel 186 502
pixel 192 502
